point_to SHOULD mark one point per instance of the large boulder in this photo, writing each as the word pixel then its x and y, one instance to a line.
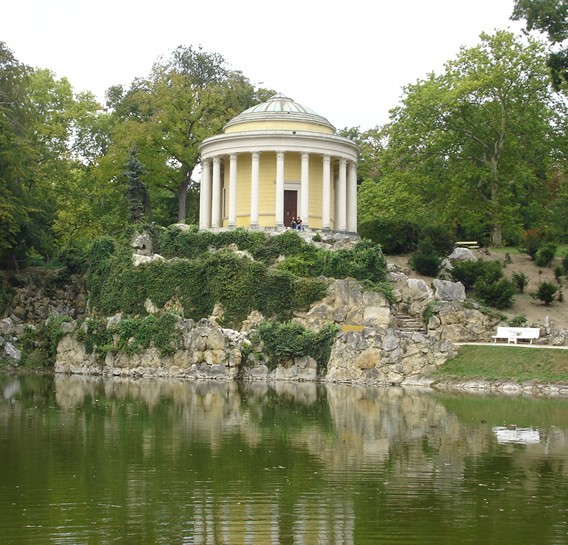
pixel 142 244
pixel 448 291
pixel 347 303
pixel 419 288
pixel 10 352
pixel 461 254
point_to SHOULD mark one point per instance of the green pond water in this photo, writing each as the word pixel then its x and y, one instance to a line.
pixel 91 461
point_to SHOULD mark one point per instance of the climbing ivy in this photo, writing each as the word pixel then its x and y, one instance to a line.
pixel 39 345
pixel 285 340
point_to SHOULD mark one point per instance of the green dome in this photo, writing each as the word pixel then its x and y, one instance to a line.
pixel 280 108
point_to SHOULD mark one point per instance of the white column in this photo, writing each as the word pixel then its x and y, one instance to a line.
pixel 233 190
pixel 254 189
pixel 341 220
pixel 326 193
pixel 305 189
pixel 205 196
pixel 335 191
pixel 279 189
pixel 352 197
pixel 216 198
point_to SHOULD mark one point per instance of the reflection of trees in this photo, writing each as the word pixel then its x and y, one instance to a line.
pixel 275 463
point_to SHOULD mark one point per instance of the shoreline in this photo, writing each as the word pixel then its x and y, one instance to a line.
pixel 538 388
pixel 506 387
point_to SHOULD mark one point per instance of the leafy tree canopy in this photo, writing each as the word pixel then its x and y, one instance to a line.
pixel 186 98
pixel 473 145
pixel 550 17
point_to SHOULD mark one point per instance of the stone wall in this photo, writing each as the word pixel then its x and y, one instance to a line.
pixel 37 294
pixel 385 355
pixel 205 351
pixel 368 349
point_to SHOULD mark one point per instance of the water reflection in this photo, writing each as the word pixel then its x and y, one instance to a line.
pixel 158 461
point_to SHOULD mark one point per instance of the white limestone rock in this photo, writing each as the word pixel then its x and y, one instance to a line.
pixel 448 291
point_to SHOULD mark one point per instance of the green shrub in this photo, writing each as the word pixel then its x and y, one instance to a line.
pixel 546 292
pixel 137 334
pixel 73 259
pixel 559 273
pixel 441 238
pixel 307 291
pixel 486 278
pixel 518 321
pixel 395 236
pixel 545 255
pixel 531 242
pixel 426 260
pixel 303 266
pixel 521 281
pixel 429 312
pixel 131 335
pixel 364 262
pixel 469 272
pixel 565 262
pixel 498 294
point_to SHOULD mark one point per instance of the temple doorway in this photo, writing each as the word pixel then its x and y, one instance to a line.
pixel 290 206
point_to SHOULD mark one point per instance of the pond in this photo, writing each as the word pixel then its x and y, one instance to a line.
pixel 102 461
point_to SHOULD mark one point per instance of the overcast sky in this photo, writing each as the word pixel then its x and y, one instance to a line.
pixel 347 60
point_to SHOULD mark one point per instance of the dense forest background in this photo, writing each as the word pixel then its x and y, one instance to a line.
pixel 478 150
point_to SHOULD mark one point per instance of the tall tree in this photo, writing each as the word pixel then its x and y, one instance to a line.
pixel 137 190
pixel 16 152
pixel 550 17
pixel 186 98
pixel 475 142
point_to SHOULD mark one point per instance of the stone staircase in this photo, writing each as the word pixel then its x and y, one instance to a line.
pixel 406 322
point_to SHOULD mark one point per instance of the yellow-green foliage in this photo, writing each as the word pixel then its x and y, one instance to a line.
pixel 201 278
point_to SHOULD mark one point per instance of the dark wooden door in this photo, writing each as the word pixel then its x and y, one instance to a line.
pixel 290 206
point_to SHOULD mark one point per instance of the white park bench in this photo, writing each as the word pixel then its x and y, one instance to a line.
pixel 514 334
pixel 471 244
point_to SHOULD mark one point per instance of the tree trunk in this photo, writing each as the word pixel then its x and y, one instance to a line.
pixel 496 239
pixel 148 206
pixel 496 226
pixel 182 200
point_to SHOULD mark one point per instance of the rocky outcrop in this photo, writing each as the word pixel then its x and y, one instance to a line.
pixel 386 356
pixel 445 311
pixel 459 254
pixel 347 303
pixel 445 290
pixel 9 334
pixel 39 294
pixel 452 320
pixel 204 351
pixel 297 369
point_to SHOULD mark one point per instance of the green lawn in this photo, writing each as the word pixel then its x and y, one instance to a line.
pixel 506 362
pixel 560 251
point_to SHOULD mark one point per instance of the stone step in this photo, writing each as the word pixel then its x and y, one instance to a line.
pixel 405 322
